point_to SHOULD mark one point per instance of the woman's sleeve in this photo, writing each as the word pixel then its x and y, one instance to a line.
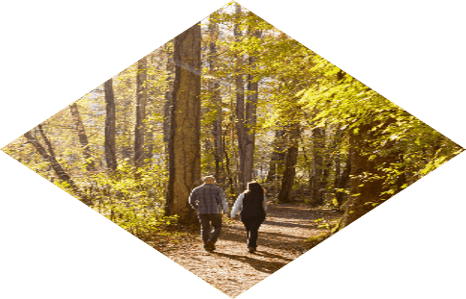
pixel 238 204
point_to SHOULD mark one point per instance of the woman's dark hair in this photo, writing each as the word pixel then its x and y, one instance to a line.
pixel 255 190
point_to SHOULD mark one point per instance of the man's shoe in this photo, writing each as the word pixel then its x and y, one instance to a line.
pixel 251 249
pixel 210 246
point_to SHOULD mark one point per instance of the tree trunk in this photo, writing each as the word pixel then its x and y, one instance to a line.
pixel 337 170
pixel 234 154
pixel 184 145
pixel 218 133
pixel 318 135
pixel 214 88
pixel 251 116
pixel 308 167
pixel 290 163
pixel 167 107
pixel 110 147
pixel 125 133
pixel 151 94
pixel 240 128
pixel 141 95
pixel 277 159
pixel 329 157
pixel 336 149
pixel 90 166
pixel 342 182
pixel 51 158
pixel 366 193
pixel 229 176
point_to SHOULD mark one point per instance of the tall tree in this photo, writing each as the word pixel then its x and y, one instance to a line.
pixel 214 91
pixel 184 145
pixel 291 159
pixel 167 107
pixel 318 136
pixel 239 85
pixel 251 111
pixel 366 182
pixel 110 124
pixel 141 96
pixel 290 116
pixel 49 155
pixel 341 180
pixel 82 137
pixel 277 158
pixel 125 121
pixel 150 105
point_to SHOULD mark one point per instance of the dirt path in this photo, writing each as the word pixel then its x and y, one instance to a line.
pixel 232 269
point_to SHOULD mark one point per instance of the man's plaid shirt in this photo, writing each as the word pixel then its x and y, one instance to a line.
pixel 208 199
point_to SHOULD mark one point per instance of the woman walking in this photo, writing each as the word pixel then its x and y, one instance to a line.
pixel 252 205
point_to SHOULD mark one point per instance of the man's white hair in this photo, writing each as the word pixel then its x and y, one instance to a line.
pixel 209 177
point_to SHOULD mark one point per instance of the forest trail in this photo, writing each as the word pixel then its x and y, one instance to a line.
pixel 231 268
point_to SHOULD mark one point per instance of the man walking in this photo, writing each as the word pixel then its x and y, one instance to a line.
pixel 208 200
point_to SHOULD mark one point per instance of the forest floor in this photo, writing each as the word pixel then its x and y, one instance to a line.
pixel 283 237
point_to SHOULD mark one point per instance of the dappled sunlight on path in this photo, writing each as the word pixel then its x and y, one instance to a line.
pixel 233 270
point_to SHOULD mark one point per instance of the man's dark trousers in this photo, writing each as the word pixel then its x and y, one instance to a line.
pixel 206 227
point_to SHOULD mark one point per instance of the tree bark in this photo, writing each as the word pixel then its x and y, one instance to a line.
pixel 184 145
pixel 277 159
pixel 365 193
pixel 82 136
pixel 336 149
pixel 51 158
pixel 240 122
pixel 251 116
pixel 290 163
pixel 342 181
pixel 214 89
pixel 167 107
pixel 318 135
pixel 229 177
pixel 110 121
pixel 151 94
pixel 141 95
pixel 124 131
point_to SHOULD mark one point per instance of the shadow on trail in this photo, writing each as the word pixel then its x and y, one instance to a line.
pixel 266 235
pixel 259 265
pixel 270 255
pixel 288 224
pixel 267 239
pixel 290 211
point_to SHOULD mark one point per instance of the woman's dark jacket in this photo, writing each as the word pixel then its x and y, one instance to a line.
pixel 252 206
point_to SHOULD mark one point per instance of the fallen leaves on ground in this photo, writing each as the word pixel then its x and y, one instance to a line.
pixel 233 270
